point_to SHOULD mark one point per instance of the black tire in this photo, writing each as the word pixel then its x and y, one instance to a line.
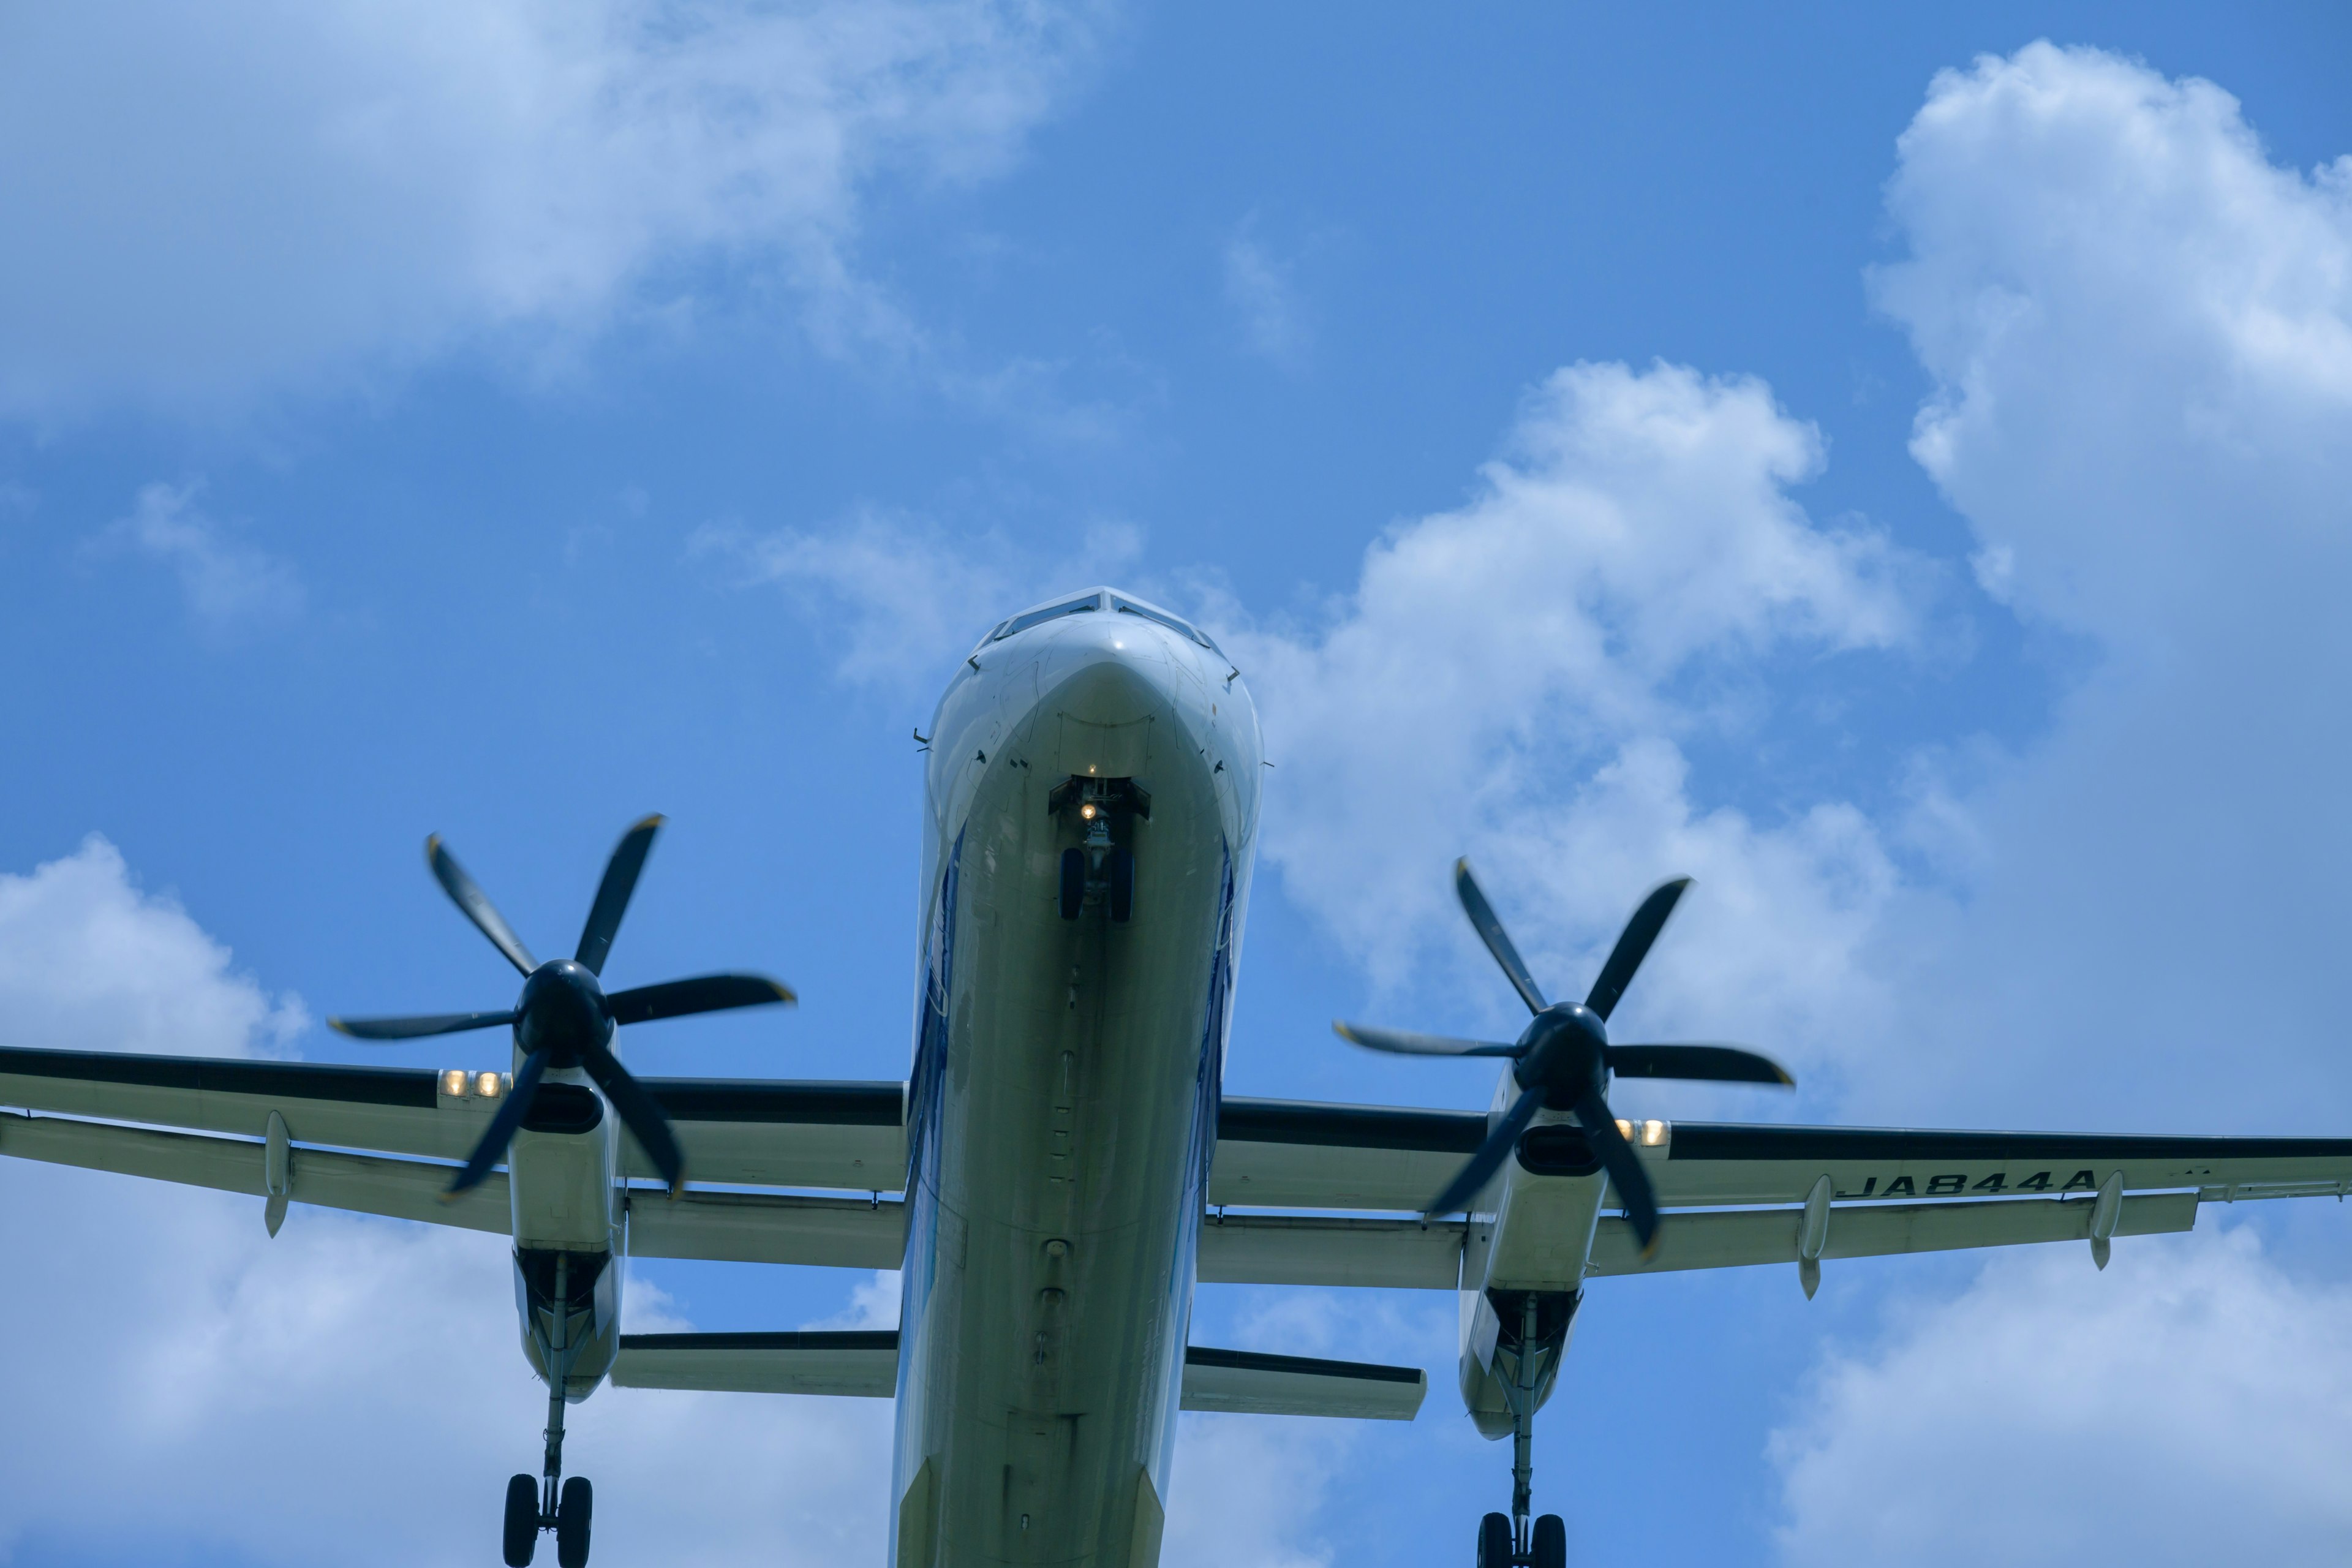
pixel 1074 882
pixel 1549 1543
pixel 1122 867
pixel 572 1516
pixel 1494 1541
pixel 522 1537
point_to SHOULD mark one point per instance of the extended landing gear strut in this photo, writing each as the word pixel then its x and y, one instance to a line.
pixel 1510 1541
pixel 1100 871
pixel 552 1502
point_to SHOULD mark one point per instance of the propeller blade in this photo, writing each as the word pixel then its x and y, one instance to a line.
pixel 501 1129
pixel 1491 933
pixel 1397 1042
pixel 1490 1156
pixel 1722 1064
pixel 1624 1167
pixel 612 893
pixel 416 1028
pixel 469 897
pixel 640 1114
pixel 703 994
pixel 1634 945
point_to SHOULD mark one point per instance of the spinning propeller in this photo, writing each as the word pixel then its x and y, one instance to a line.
pixel 1564 1059
pixel 565 1017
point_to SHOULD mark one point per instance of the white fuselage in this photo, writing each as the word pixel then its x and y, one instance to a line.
pixel 1062 1100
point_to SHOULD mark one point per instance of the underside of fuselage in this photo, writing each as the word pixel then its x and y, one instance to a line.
pixel 1063 1093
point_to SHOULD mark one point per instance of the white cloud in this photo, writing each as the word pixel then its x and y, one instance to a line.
pixel 90 962
pixel 2185 1406
pixel 2140 330
pixel 903 598
pixel 229 583
pixel 1510 679
pixel 210 206
pixel 2141 335
pixel 354 1380
pixel 1260 289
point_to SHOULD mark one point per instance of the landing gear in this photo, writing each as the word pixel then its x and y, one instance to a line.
pixel 1495 1545
pixel 552 1502
pixel 523 1521
pixel 1512 1542
pixel 572 1517
pixel 1099 872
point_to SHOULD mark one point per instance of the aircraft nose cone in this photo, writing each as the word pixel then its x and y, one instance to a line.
pixel 1112 686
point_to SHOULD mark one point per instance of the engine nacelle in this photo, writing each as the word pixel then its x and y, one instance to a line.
pixel 571 1300
pixel 1523 1271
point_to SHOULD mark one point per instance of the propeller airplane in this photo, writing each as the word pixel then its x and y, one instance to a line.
pixel 1061 1167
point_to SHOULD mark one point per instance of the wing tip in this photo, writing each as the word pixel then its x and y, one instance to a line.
pixel 340 1027
pixel 784 993
pixel 651 822
pixel 1345 1033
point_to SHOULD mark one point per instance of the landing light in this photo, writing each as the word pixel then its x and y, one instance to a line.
pixel 1624 1130
pixel 453 1082
pixel 1088 811
pixel 1652 1134
pixel 487 1085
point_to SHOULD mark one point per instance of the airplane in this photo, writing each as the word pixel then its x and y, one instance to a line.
pixel 1061 1167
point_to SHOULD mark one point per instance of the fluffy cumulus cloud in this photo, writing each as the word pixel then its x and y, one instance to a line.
pixel 2184 1407
pixel 89 962
pixel 2140 330
pixel 210 205
pixel 354 1386
pixel 1517 679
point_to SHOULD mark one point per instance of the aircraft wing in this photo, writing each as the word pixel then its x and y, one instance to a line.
pixel 1733 1195
pixel 384 1141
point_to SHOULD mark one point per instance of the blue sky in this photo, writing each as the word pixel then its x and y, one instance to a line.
pixel 1615 446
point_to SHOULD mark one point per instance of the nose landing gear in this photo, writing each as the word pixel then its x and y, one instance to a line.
pixel 1100 870
pixel 552 1502
pixel 1512 1540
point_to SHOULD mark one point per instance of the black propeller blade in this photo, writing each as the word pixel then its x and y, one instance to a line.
pixel 416 1028
pixel 1499 941
pixel 1634 945
pixel 1563 1060
pixel 1624 1167
pixel 703 994
pixel 1490 1156
pixel 503 1126
pixel 1397 1042
pixel 612 893
pixel 1718 1064
pixel 640 1115
pixel 566 1019
pixel 468 897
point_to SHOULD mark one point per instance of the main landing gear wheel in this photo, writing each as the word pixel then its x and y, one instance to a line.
pixel 522 1521
pixel 572 1523
pixel 1549 1547
pixel 1494 1540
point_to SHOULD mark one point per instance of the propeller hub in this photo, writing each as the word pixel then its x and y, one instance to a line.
pixel 1563 1052
pixel 562 1013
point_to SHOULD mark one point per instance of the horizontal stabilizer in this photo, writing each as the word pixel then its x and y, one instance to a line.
pixel 1247 1383
pixel 861 1362
pixel 864 1363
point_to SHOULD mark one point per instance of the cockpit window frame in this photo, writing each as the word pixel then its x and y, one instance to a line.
pixel 1121 605
pixel 1027 618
